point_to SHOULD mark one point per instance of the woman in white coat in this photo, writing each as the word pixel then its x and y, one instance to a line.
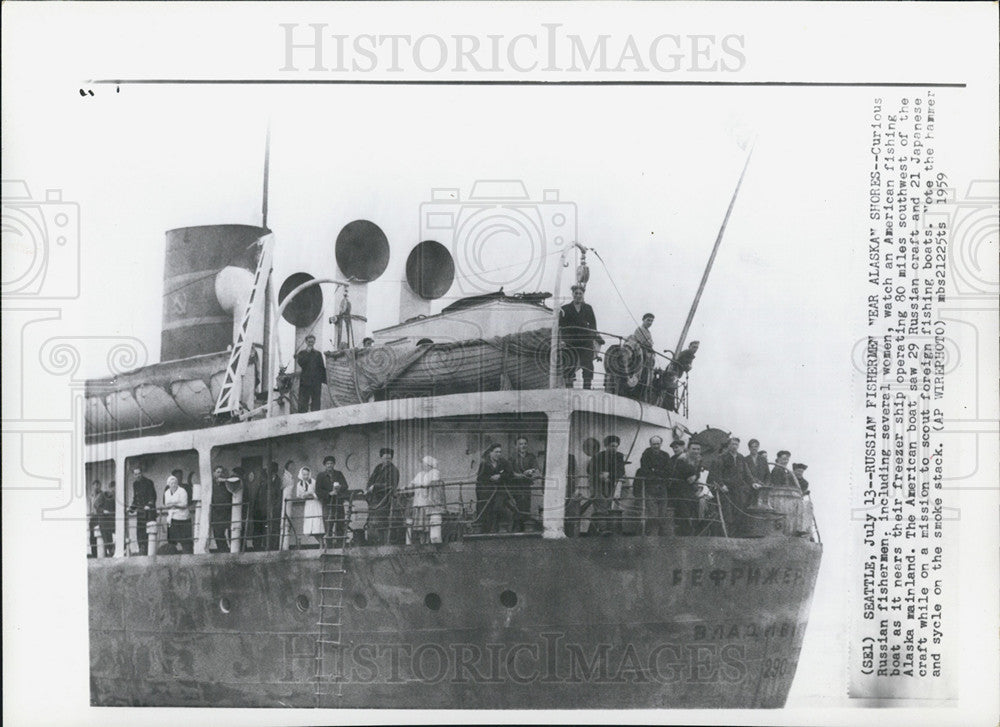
pixel 312 515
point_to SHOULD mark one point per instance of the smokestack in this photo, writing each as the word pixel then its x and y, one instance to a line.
pixel 430 272
pixel 362 253
pixel 195 321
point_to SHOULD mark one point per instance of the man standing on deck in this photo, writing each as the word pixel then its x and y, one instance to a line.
pixel 684 491
pixel 757 462
pixel 524 472
pixel 651 486
pixel 781 476
pixel 605 469
pixel 144 506
pixel 641 343
pixel 331 490
pixel 222 509
pixel 312 375
pixel 578 331
pixel 380 493
pixel 735 483
pixel 799 470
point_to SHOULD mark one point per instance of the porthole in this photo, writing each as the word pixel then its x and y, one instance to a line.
pixel 360 602
pixel 432 601
pixel 508 599
pixel 225 605
pixel 302 602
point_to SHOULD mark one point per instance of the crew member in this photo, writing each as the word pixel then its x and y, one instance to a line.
pixel 730 473
pixel 641 342
pixel 605 469
pixel 757 462
pixel 578 331
pixel 686 493
pixel 524 474
pixel 144 507
pixel 104 513
pixel 799 469
pixel 651 486
pixel 380 493
pixel 222 509
pixel 492 482
pixel 312 375
pixel 332 492
pixel 780 475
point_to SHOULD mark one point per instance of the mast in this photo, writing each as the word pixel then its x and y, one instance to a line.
pixel 269 323
pixel 711 259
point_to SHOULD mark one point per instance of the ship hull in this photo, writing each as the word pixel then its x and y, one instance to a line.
pixel 493 623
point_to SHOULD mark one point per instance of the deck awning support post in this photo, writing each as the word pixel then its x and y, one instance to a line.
pixel 556 466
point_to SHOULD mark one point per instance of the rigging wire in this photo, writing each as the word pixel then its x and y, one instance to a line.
pixel 615 286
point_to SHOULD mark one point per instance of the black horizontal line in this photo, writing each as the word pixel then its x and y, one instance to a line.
pixel 499 82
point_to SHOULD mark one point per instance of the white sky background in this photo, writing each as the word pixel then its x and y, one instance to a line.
pixel 651 171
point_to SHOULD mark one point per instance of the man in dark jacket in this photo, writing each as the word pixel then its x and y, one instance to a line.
pixel 578 331
pixel 144 506
pixel 222 509
pixel 312 375
pixel 104 513
pixel 736 484
pixel 780 475
pixel 380 492
pixel 331 490
pixel 757 462
pixel 683 490
pixel 605 469
pixel 651 485
pixel 799 470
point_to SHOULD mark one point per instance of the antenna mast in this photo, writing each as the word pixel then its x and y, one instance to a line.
pixel 711 259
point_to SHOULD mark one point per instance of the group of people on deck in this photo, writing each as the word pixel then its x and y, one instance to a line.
pixel 581 341
pixel 680 480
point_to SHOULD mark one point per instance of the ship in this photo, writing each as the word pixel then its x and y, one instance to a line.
pixel 554 613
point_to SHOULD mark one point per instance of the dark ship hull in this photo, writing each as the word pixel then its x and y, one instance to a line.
pixel 628 622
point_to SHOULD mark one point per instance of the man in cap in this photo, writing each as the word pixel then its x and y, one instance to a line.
pixel 332 492
pixel 675 370
pixel 380 493
pixel 578 332
pixel 651 485
pixel 312 375
pixel 798 469
pixel 221 513
pixel 605 469
pixel 780 475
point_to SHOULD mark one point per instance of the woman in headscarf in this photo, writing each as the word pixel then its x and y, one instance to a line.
pixel 491 488
pixel 312 515
pixel 425 508
pixel 175 500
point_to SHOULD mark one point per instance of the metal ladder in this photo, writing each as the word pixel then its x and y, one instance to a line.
pixel 330 666
pixel 229 401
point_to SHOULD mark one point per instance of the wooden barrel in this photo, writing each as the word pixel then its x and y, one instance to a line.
pixel 787 501
pixel 762 522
